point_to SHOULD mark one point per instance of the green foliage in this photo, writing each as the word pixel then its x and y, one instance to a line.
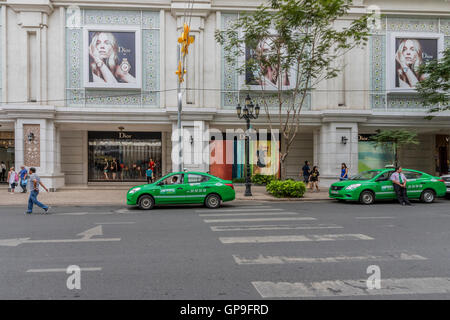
pixel 298 35
pixel 435 89
pixel 238 180
pixel 286 188
pixel 396 136
pixel 261 179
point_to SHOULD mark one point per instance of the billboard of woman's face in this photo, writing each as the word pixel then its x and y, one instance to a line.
pixel 113 60
pixel 410 54
pixel 267 75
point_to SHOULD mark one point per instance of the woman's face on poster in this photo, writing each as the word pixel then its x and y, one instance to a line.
pixel 104 46
pixel 409 52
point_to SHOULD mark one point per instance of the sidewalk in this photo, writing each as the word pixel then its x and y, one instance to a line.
pixel 105 195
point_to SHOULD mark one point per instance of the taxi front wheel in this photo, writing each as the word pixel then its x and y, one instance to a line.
pixel 146 202
pixel 367 197
pixel 212 201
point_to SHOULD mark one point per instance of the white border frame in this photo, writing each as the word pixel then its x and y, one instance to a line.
pixel 138 50
pixel 390 59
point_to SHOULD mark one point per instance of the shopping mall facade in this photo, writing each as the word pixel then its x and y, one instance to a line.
pixel 55 115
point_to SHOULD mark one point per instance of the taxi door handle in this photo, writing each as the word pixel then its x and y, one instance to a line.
pixel 180 188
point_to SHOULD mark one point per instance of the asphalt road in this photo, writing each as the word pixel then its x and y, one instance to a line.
pixel 260 250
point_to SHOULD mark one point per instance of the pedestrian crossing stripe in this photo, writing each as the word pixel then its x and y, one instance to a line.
pixel 274 227
pixel 294 238
pixel 352 288
pixel 261 259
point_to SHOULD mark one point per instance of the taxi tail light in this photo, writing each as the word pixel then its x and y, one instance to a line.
pixel 230 185
pixel 441 180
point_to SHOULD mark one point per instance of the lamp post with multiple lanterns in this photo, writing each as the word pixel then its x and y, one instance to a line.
pixel 248 112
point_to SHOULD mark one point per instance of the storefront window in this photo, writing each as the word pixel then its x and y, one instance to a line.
pixel 6 153
pixel 124 156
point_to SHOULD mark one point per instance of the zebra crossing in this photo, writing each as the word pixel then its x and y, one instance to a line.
pixel 244 227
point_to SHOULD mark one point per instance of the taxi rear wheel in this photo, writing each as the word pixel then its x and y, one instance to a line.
pixel 146 202
pixel 213 201
pixel 428 196
pixel 367 197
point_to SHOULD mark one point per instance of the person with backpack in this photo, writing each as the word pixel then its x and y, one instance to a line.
pixel 23 174
pixel 306 170
pixel 149 174
pixel 13 179
pixel 314 178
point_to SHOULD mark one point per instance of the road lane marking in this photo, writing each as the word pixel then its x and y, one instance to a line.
pixel 239 207
pixel 86 236
pixel 81 213
pixel 248 214
pixel 259 219
pixel 92 232
pixel 275 227
pixel 118 222
pixel 72 240
pixel 342 288
pixel 62 270
pixel 261 259
pixel 295 238
pixel 239 210
pixel 362 218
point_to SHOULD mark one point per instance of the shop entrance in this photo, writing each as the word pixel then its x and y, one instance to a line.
pixel 442 154
pixel 6 153
pixel 123 156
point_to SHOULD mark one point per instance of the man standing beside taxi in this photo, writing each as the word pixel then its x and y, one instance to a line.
pixel 399 182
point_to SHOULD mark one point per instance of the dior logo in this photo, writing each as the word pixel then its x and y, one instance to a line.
pixel 124 50
pixel 123 135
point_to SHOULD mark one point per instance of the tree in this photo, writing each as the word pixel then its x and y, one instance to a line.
pixel 395 139
pixel 434 90
pixel 295 40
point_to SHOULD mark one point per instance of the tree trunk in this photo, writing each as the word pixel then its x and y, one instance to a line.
pixel 396 154
pixel 283 169
pixel 283 158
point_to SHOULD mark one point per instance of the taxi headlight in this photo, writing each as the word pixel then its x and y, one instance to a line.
pixel 134 190
pixel 353 186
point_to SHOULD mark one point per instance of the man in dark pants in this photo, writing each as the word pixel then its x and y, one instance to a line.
pixel 399 182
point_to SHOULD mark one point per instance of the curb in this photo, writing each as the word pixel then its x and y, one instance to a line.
pixel 284 199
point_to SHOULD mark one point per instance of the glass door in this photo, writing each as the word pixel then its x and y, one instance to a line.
pixel 123 159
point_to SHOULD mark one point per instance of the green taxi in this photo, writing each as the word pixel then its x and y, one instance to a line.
pixel 182 188
pixel 368 186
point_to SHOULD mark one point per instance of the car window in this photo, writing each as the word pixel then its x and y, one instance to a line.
pixel 196 178
pixel 365 175
pixel 412 175
pixel 174 179
pixel 385 176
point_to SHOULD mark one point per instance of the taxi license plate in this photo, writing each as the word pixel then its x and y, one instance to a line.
pixel 334 192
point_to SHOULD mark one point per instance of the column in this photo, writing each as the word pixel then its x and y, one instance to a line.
pixel 336 143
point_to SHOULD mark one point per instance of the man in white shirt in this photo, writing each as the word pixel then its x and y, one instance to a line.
pixel 399 182
pixel 35 182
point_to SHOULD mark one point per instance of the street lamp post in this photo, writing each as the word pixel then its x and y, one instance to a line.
pixel 247 114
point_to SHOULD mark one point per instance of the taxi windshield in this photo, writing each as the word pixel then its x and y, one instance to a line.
pixel 365 175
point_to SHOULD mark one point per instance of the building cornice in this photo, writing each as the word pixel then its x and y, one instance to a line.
pixel 19 6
